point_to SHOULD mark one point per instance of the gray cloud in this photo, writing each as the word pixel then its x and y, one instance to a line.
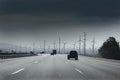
pixel 44 19
pixel 100 8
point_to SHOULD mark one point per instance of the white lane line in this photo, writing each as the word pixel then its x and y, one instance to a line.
pixel 18 71
pixel 78 71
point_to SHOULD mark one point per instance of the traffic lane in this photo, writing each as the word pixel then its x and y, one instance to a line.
pixel 59 68
pixel 105 65
pixel 9 67
pixel 19 61
pixel 95 69
pixel 52 68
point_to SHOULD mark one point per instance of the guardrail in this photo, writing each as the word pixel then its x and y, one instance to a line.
pixel 15 55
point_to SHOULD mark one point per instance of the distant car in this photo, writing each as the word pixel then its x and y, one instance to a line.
pixel 52 54
pixel 73 54
pixel 54 51
pixel 42 52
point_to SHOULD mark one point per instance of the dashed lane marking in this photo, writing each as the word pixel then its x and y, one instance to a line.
pixel 78 71
pixel 18 71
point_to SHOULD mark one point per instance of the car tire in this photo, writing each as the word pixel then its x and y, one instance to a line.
pixel 76 58
pixel 68 57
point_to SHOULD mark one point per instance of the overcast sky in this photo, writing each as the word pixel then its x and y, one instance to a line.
pixel 27 21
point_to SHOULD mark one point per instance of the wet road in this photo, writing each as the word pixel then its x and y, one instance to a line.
pixel 47 67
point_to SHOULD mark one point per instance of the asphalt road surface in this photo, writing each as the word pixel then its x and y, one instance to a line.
pixel 47 67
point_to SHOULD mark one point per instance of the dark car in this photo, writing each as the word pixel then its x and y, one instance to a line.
pixel 73 54
pixel 55 51
pixel 52 54
pixel 42 52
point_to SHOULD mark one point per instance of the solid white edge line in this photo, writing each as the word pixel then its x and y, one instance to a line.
pixel 78 71
pixel 18 71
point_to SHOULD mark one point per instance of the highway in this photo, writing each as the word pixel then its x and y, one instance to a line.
pixel 47 67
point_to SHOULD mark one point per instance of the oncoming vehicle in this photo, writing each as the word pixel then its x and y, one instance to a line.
pixel 73 54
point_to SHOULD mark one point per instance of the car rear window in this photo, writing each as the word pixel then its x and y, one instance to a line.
pixel 73 52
